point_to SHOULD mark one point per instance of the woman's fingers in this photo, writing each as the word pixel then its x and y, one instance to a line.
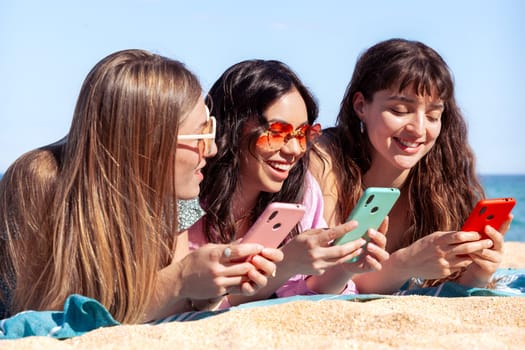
pixel 495 236
pixel 326 237
pixel 384 225
pixel 377 252
pixel 272 254
pixel 237 252
pixel 506 224
pixel 377 237
pixel 263 265
pixel 488 255
pixel 470 247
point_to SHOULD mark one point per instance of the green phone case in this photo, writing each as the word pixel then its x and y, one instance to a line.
pixel 370 211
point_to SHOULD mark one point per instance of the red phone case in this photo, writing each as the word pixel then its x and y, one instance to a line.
pixel 274 224
pixel 492 211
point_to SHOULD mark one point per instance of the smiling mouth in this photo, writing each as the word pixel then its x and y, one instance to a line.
pixel 407 143
pixel 280 166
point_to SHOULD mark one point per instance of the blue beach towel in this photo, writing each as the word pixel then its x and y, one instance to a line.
pixel 80 315
pixel 509 282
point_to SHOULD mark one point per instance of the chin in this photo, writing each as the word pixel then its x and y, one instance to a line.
pixel 185 195
pixel 273 188
pixel 405 164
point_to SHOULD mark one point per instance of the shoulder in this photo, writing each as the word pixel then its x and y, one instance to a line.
pixel 313 202
pixel 321 163
pixel 322 155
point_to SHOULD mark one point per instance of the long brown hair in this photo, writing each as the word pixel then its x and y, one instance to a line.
pixel 241 95
pixel 106 222
pixel 442 187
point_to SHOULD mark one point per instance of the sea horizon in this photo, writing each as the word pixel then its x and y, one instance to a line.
pixel 499 186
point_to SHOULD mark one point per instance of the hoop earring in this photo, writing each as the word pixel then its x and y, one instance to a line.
pixel 362 127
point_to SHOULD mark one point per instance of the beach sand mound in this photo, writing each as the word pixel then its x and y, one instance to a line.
pixel 408 322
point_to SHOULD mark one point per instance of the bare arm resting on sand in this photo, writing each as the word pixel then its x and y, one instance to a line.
pixel 202 277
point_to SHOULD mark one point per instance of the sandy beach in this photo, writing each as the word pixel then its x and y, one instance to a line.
pixel 408 322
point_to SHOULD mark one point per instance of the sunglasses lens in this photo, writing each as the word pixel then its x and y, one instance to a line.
pixel 202 148
pixel 300 135
pixel 314 132
pixel 270 141
pixel 280 133
pixel 208 128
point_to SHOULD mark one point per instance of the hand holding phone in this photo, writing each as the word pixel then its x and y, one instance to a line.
pixel 492 211
pixel 274 224
pixel 370 211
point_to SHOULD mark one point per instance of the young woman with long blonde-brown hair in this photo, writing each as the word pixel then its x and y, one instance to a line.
pixel 96 213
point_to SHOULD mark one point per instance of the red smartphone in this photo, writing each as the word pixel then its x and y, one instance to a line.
pixel 274 224
pixel 492 211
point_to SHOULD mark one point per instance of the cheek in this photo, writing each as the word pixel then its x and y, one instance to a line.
pixel 185 163
pixel 433 132
pixel 250 163
pixel 381 132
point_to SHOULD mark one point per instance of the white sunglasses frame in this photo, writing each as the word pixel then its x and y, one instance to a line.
pixel 202 136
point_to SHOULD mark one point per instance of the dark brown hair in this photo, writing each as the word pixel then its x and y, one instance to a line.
pixel 241 95
pixel 443 186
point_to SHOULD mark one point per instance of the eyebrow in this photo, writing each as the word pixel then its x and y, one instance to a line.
pixel 203 124
pixel 285 122
pixel 405 99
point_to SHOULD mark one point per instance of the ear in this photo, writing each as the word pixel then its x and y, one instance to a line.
pixel 359 104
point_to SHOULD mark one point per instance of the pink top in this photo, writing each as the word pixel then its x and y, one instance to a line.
pixel 313 218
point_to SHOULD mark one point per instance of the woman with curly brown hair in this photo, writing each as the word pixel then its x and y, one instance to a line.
pixel 266 118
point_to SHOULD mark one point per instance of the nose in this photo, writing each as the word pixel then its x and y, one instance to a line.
pixel 292 147
pixel 417 123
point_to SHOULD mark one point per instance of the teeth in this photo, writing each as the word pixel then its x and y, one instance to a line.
pixel 407 143
pixel 280 166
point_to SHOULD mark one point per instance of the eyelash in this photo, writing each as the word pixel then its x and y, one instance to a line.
pixel 397 112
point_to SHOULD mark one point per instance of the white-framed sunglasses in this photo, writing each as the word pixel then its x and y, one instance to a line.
pixel 207 136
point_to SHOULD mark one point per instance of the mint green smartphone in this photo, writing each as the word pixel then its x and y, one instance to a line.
pixel 370 211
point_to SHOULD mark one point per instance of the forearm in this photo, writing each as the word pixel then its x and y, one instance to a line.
pixel 385 281
pixel 472 280
pixel 333 281
pixel 167 299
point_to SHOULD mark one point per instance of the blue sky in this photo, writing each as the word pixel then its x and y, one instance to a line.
pixel 48 47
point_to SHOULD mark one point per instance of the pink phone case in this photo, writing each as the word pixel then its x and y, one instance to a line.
pixel 492 211
pixel 274 224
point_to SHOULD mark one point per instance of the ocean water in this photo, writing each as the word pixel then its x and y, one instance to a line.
pixel 505 186
pixel 497 186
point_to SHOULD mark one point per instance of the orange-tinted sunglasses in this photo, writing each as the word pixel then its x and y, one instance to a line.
pixel 279 133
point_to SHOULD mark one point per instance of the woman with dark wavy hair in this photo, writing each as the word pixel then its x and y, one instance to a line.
pixel 96 213
pixel 399 126
pixel 266 124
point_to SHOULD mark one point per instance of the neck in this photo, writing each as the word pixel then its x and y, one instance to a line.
pixel 385 177
pixel 243 204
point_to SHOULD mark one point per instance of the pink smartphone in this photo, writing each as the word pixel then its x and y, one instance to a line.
pixel 274 224
pixel 493 212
